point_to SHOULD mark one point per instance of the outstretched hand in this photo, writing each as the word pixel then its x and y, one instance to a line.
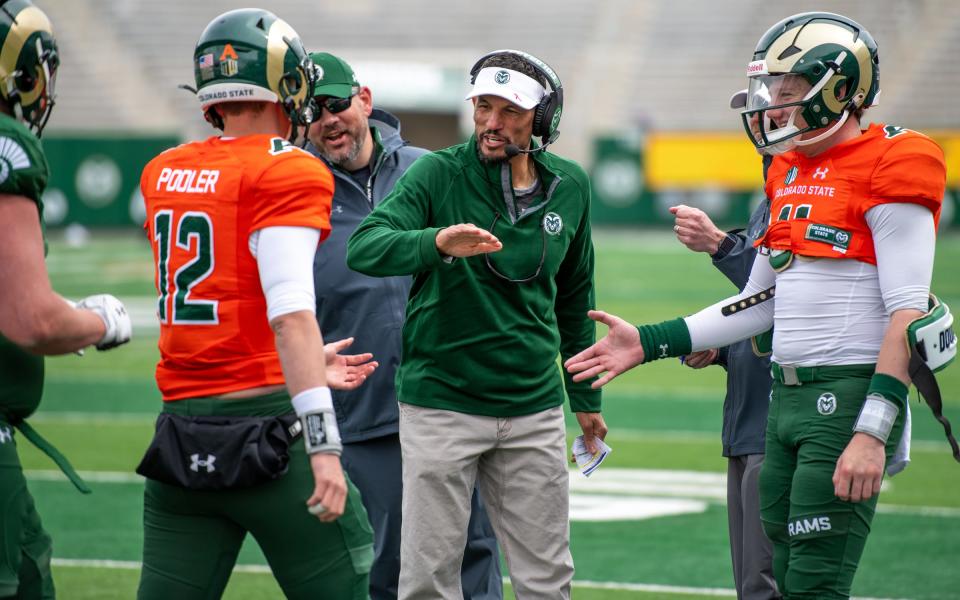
pixel 466 239
pixel 617 352
pixel 346 371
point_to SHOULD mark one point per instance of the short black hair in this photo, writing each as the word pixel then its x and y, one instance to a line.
pixel 517 63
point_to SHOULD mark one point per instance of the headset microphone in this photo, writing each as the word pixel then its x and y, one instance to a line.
pixel 512 150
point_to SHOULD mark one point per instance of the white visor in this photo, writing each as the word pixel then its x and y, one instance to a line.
pixel 514 86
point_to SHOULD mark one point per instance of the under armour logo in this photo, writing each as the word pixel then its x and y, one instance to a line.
pixel 338 209
pixel 821 173
pixel 206 464
pixel 663 350
pixel 6 435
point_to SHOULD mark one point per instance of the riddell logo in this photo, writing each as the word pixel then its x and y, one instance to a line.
pixel 757 67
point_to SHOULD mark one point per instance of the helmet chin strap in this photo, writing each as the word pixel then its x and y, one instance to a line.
pixel 789 131
pixel 827 133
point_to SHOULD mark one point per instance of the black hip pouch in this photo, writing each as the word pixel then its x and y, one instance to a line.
pixel 219 453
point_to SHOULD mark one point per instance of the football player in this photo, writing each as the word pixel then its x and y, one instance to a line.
pixel 34 320
pixel 850 250
pixel 234 222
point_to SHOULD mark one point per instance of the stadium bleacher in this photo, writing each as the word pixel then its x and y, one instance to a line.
pixel 658 65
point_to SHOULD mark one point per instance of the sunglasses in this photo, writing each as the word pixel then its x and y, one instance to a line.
pixel 333 104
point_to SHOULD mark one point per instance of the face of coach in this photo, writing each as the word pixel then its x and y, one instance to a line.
pixel 498 122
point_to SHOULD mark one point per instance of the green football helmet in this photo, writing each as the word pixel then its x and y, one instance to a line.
pixel 252 55
pixel 821 66
pixel 28 63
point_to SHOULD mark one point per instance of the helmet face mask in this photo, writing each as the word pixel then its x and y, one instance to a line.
pixel 28 63
pixel 251 55
pixel 809 72
pixel 773 116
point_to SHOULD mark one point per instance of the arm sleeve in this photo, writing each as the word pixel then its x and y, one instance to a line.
pixel 710 329
pixel 26 172
pixel 575 296
pixel 285 262
pixel 397 237
pixel 904 239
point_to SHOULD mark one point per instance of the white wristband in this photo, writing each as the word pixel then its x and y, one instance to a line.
pixel 314 400
pixel 320 430
pixel 877 417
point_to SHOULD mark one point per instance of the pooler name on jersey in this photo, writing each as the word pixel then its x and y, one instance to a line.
pixel 189 181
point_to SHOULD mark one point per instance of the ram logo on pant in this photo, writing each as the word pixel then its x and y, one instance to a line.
pixel 826 404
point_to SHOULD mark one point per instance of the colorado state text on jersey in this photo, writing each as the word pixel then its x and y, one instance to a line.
pixel 806 190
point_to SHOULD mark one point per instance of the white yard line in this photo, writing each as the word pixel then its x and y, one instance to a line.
pixel 628 494
pixel 82 418
pixel 92 418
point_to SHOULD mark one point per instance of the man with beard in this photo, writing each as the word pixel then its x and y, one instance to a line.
pixel 479 389
pixel 364 150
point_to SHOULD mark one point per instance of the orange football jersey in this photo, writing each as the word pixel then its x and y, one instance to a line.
pixel 818 204
pixel 203 200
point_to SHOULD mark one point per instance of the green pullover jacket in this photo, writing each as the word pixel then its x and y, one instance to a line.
pixel 472 341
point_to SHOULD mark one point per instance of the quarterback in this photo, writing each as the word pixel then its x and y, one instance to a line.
pixel 34 320
pixel 234 222
pixel 845 283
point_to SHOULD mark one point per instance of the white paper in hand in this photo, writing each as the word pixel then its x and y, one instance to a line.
pixel 587 462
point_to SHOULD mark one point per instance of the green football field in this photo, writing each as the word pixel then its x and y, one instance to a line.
pixel 651 523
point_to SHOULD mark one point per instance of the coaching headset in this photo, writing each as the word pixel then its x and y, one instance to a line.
pixel 546 116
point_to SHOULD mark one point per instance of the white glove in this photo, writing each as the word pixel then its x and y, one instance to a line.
pixel 114 316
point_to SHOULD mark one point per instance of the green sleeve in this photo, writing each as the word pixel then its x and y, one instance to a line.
pixel 23 167
pixel 396 239
pixel 575 296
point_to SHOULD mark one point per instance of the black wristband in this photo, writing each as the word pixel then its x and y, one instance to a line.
pixel 727 244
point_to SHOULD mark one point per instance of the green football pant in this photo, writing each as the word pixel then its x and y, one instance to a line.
pixel 192 538
pixel 817 538
pixel 26 548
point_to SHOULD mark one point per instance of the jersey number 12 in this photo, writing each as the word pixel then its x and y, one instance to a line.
pixel 193 232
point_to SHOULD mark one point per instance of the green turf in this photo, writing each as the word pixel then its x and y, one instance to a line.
pixel 691 549
pixel 99 410
pixel 121 584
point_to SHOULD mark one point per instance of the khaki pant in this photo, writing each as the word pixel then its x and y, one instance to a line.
pixel 520 463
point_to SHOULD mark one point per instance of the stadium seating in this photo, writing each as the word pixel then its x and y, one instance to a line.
pixel 641 64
